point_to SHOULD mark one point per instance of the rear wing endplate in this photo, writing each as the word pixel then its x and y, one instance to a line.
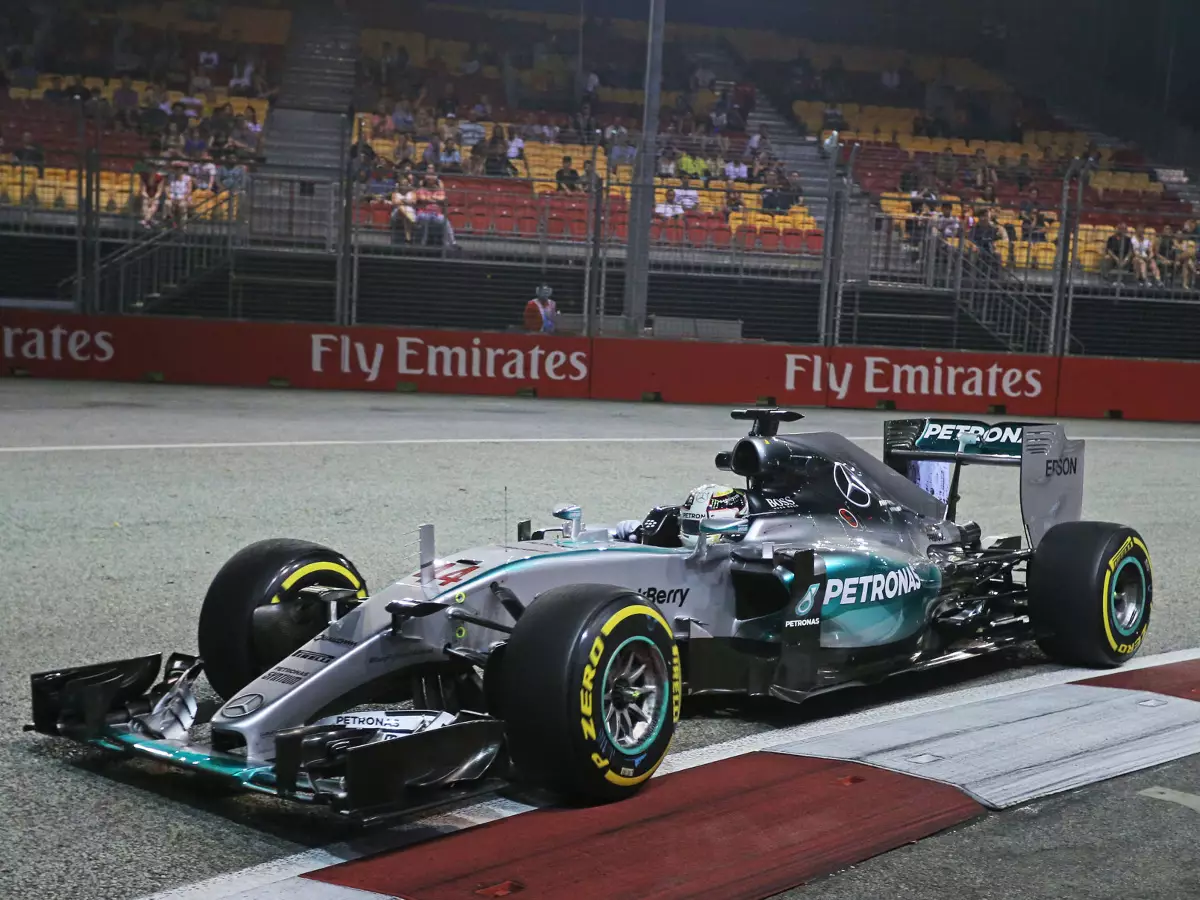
pixel 932 452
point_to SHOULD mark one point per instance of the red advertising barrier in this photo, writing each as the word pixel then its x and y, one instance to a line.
pixel 195 351
pixel 701 372
pixel 1147 389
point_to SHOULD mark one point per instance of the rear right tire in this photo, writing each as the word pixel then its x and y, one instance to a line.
pixel 1091 592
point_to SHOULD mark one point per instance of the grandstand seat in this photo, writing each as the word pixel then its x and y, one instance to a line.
pixel 527 226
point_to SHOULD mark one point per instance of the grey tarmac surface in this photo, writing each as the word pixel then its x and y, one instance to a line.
pixel 107 553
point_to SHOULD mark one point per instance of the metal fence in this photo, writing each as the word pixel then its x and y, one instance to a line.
pixel 821 260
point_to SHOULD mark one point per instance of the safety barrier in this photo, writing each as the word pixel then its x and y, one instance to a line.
pixel 260 354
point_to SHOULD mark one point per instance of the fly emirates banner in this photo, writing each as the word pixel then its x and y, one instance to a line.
pixel 215 352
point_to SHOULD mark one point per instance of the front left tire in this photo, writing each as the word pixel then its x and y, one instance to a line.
pixel 269 573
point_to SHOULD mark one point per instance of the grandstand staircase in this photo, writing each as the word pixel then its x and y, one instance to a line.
pixel 161 265
pixel 296 195
pixel 798 154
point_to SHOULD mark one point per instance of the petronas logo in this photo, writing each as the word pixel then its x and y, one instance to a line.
pixel 806 603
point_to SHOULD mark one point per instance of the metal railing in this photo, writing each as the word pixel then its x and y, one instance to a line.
pixel 361 250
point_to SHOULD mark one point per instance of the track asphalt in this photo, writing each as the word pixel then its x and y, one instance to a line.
pixel 107 553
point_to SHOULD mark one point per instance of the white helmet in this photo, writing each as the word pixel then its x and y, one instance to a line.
pixel 709 501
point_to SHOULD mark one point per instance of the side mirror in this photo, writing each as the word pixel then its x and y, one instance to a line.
pixel 572 514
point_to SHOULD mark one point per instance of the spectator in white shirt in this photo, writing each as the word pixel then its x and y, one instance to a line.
pixel 891 79
pixel 179 192
pixel 735 170
pixel 669 208
pixel 666 164
pixel 1143 257
pixel 687 195
pixel 758 141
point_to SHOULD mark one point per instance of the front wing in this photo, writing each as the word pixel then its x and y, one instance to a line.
pixel 365 765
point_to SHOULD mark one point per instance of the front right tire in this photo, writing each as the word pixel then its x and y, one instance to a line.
pixel 590 690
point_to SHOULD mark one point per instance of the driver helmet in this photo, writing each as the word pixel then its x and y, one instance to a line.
pixel 709 501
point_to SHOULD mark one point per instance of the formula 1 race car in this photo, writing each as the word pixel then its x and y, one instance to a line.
pixel 561 659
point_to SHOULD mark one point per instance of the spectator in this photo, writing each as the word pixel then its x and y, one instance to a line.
pixel 404 212
pixel 1033 219
pixel 1143 258
pixel 450 160
pixel 402 120
pixel 733 201
pixel 774 198
pixel 1186 242
pixel 483 107
pixel 1118 254
pixel 735 170
pixel 690 166
pixel 541 313
pixel 669 208
pixel 55 93
pixel 203 173
pixel 1168 255
pixel 423 124
pixel 516 151
pixel 431 156
pixel 566 178
pixel 250 118
pixel 179 193
pixel 985 237
pixel 496 164
pixel 429 201
pixel 590 182
pixel 471 132
pixel 760 142
pixel 686 195
pixel 152 180
pixel 667 164
pixel 622 152
pixel 890 79
pixel 230 175
pixel 194 143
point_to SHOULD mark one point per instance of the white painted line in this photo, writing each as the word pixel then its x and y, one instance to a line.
pixel 402 442
pixel 1191 801
pixel 228 886
pixel 369 442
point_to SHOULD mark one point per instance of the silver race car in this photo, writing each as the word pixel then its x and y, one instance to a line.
pixel 562 659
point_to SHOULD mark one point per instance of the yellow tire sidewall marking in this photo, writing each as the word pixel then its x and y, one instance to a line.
pixel 1113 561
pixel 676 690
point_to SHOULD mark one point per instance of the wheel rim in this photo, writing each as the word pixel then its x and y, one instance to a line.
pixel 1128 598
pixel 636 695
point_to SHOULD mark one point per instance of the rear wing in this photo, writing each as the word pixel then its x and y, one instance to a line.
pixel 932 452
